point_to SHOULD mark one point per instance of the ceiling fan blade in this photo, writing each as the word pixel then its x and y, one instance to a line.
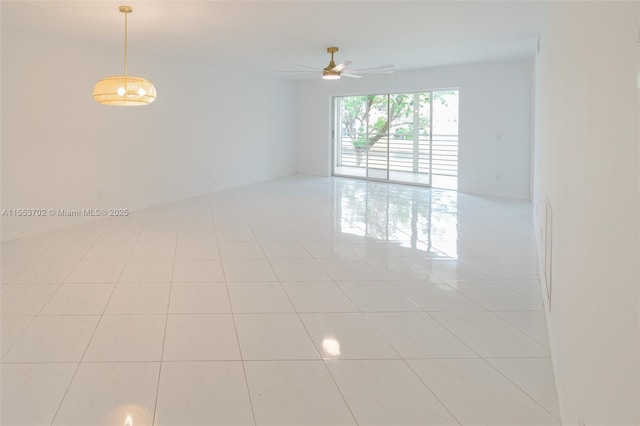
pixel 341 66
pixel 348 74
pixel 381 68
pixel 378 72
pixel 308 67
pixel 298 71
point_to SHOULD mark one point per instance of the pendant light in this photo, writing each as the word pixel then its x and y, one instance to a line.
pixel 124 90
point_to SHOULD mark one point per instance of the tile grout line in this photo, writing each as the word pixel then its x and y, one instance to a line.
pixel 321 358
pixel 166 322
pixel 486 360
pixel 37 314
pixel 79 363
pixel 295 311
pixel 364 314
pixel 404 361
pixel 359 310
pixel 235 325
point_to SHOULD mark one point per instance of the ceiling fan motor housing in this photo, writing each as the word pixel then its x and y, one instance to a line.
pixel 329 73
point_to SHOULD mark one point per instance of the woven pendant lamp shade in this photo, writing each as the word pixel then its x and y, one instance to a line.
pixel 125 91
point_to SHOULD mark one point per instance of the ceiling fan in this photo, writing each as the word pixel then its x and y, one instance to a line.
pixel 334 72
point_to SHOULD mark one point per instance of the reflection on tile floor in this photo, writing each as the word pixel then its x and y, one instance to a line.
pixel 296 301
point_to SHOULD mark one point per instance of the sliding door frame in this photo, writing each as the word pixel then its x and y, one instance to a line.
pixel 335 150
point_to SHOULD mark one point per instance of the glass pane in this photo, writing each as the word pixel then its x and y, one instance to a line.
pixel 424 135
pixel 377 136
pixel 409 144
pixel 351 136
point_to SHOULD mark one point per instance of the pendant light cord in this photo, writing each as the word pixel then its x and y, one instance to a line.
pixel 125 46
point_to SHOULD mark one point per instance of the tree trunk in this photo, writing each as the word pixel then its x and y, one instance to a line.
pixel 360 151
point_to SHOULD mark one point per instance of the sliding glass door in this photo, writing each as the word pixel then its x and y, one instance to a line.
pixel 391 137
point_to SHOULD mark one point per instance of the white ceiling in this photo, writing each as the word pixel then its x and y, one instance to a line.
pixel 267 36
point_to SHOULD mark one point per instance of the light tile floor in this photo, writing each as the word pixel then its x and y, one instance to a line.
pixel 302 300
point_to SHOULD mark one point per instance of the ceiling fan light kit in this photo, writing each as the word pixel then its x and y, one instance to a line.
pixel 124 90
pixel 330 74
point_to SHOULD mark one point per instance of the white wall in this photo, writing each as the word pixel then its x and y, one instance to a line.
pixel 209 129
pixel 494 122
pixel 586 164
